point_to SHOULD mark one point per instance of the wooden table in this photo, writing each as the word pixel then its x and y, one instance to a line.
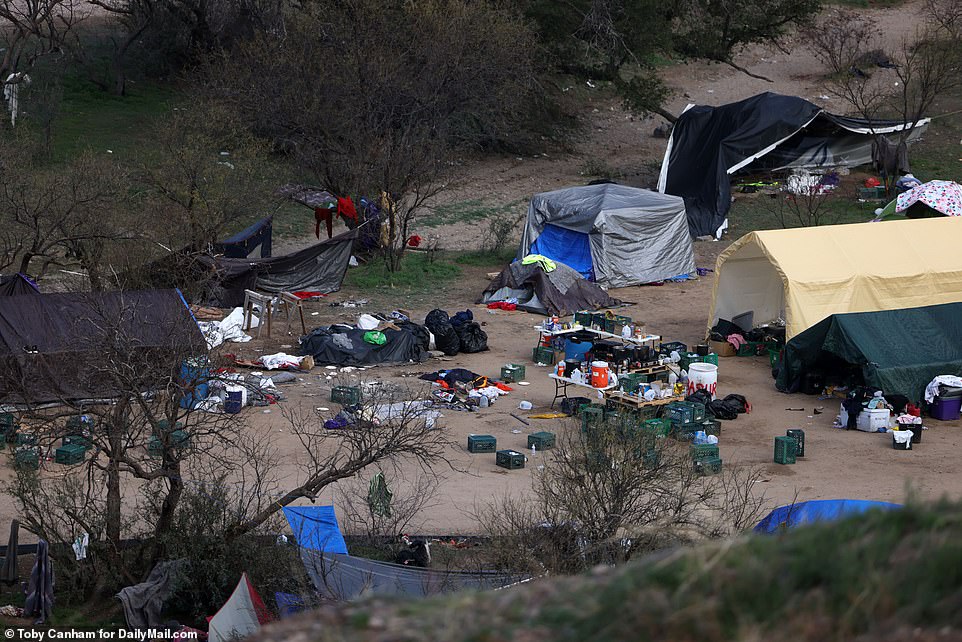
pixel 635 401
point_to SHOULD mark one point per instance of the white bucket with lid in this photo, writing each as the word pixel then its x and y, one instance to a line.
pixel 702 376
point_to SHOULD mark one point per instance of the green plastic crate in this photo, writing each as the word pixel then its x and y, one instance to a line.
pixel 482 444
pixel 799 437
pixel 784 450
pixel 752 349
pixel 512 372
pixel 668 347
pixel 77 440
pixel 591 414
pixel 773 356
pixel 26 439
pixel 510 459
pixel 543 355
pixel 178 439
pixel 871 193
pixel 708 466
pixel 7 421
pixel 683 412
pixel 703 451
pixel 630 382
pixel 583 317
pixel 661 427
pixel 541 440
pixel 711 427
pixel 27 457
pixel 346 395
pixel 70 454
pixel 80 423
pixel 684 431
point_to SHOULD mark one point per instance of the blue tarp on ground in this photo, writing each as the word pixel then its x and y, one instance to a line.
pixel 820 510
pixel 288 604
pixel 315 528
pixel 565 246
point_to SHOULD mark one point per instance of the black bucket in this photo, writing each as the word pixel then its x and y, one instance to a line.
pixel 702 350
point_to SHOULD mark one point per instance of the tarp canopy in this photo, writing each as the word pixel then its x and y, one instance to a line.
pixel 315 528
pixel 807 274
pixel 898 351
pixel 17 284
pixel 818 510
pixel 766 132
pixel 221 281
pixel 242 615
pixel 240 245
pixel 57 347
pixel 562 291
pixel 345 346
pixel 341 577
pixel 613 234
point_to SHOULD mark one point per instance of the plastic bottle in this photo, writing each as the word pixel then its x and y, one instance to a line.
pixel 534 450
pixel 672 379
pixel 561 368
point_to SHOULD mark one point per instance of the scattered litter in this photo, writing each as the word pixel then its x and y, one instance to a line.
pixel 323 409
pixel 525 405
pixel 524 383
pixel 515 432
pixel 524 421
pixel 330 367
pixel 314 314
pixel 267 412
pixel 796 409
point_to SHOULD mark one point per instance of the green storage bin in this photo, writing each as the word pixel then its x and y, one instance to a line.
pixel 543 355
pixel 583 317
pixel 77 440
pixel 512 372
pixel 178 439
pixel 541 440
pixel 482 444
pixel 703 451
pixel 708 466
pixel 630 382
pixel 346 395
pixel 784 450
pixel 685 431
pixel 799 437
pixel 711 427
pixel 26 439
pixel 661 427
pixel 27 457
pixel 682 412
pixel 591 414
pixel 70 454
pixel 510 459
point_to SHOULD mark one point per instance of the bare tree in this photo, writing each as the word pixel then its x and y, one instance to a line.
pixel 33 29
pixel 839 38
pixel 612 491
pixel 58 216
pixel 409 501
pixel 386 106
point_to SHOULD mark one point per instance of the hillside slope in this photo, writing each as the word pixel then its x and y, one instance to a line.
pixel 882 576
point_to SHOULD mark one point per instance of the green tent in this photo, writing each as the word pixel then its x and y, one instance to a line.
pixel 899 351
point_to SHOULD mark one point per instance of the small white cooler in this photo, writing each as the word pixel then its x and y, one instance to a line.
pixel 869 420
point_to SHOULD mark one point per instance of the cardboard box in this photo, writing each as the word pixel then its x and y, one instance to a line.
pixel 722 348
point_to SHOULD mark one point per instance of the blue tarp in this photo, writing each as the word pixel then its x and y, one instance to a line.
pixel 315 528
pixel 240 245
pixel 288 604
pixel 820 510
pixel 565 246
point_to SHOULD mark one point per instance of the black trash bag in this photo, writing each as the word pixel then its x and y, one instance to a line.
pixel 461 318
pixel 472 337
pixel 700 396
pixel 445 337
pixel 421 335
pixel 738 401
pixel 721 409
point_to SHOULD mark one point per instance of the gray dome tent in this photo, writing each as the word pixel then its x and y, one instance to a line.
pixel 561 291
pixel 612 234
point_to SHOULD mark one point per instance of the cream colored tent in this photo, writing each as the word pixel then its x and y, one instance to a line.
pixel 804 275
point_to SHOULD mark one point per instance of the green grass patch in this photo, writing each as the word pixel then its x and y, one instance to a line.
pixel 93 119
pixel 759 213
pixel 468 211
pixel 417 274
pixel 863 4
pixel 486 258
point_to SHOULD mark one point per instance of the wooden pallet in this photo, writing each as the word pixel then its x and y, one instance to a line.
pixel 634 401
pixel 647 370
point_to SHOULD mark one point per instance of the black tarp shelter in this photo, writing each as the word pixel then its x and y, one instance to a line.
pixel 899 351
pixel 562 291
pixel 66 346
pixel 767 132
pixel 17 284
pixel 345 346
pixel 240 245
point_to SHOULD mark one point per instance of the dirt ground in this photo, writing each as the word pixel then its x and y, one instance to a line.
pixel 838 464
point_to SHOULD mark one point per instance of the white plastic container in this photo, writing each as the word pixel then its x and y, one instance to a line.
pixel 702 376
pixel 869 420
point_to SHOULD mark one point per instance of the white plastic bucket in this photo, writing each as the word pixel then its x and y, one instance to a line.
pixel 599 374
pixel 702 376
